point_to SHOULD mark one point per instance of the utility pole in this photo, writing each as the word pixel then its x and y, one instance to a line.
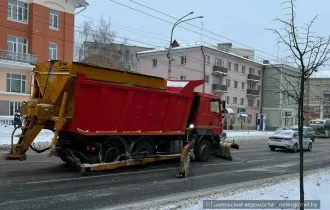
pixel 170 48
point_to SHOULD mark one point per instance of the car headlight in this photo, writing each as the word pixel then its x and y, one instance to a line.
pixel 191 126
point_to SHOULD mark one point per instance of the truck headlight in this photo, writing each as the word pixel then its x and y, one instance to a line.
pixel 191 126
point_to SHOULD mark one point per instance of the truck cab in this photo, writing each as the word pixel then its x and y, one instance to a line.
pixel 206 114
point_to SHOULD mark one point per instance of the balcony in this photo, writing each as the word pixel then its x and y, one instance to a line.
pixel 18 57
pixel 326 92
pixel 253 78
pixel 217 88
pixel 219 71
pixel 251 92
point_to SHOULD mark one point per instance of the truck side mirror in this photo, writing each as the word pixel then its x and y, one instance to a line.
pixel 223 105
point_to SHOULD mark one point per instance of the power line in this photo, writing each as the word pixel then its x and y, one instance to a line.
pixel 198 27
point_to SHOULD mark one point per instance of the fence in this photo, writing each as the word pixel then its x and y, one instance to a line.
pixel 18 57
pixel 6 120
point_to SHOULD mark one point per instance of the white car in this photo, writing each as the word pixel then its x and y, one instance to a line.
pixel 288 139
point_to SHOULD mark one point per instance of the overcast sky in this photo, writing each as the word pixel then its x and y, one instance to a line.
pixel 244 22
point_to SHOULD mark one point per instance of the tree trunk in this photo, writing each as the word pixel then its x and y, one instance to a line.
pixel 301 151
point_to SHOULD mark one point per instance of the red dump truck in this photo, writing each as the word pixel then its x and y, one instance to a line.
pixel 105 119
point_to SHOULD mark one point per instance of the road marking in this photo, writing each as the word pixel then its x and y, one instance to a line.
pixel 261 160
pixel 106 175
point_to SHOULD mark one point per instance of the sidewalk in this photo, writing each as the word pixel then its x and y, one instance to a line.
pixel 245 135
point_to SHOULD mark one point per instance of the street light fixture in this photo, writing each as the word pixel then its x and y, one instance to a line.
pixel 170 49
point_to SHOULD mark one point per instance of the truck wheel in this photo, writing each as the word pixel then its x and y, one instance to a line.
pixel 143 147
pixel 112 151
pixel 203 150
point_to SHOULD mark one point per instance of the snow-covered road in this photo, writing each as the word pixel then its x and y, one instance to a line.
pixel 317 187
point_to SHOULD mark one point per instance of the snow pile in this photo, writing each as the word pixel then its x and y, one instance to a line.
pixel 317 187
pixel 245 133
pixel 44 136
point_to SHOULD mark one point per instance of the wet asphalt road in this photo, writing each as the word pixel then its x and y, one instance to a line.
pixel 41 182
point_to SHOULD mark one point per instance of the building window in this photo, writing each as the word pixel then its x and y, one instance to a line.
pixel 183 59
pixel 242 101
pixel 317 110
pixel 182 77
pixel 317 87
pixel 243 85
pixel 234 100
pixel 207 59
pixel 13 106
pixel 17 44
pixel 317 98
pixel 53 19
pixel 259 72
pixel 235 84
pixel 154 62
pixel 16 83
pixel 218 62
pixel 251 86
pixel 227 99
pixel 52 51
pixel 243 69
pixel 229 65
pixel 18 11
pixel 258 103
pixel 251 71
pixel 236 67
pixel 250 102
pixel 207 79
pixel 228 82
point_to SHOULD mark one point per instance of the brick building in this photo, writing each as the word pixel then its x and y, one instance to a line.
pixel 32 31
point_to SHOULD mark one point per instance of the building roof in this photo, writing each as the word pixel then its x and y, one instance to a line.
pixel 278 65
pixel 321 74
pixel 104 62
pixel 183 47
pixel 80 3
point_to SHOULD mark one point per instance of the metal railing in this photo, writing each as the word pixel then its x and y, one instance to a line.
pixel 6 120
pixel 253 77
pixel 220 69
pixel 219 88
pixel 253 92
pixel 18 57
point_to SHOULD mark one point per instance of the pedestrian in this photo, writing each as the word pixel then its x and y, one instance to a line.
pixel 17 119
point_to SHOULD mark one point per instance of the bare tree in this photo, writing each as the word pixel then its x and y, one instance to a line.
pixel 100 37
pixel 308 53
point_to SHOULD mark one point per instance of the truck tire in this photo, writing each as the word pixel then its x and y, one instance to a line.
pixel 203 150
pixel 143 146
pixel 112 151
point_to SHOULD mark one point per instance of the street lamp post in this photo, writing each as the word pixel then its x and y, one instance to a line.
pixel 170 49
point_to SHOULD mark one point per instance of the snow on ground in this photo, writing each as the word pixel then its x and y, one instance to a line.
pixel 233 133
pixel 46 135
pixel 6 131
pixel 317 187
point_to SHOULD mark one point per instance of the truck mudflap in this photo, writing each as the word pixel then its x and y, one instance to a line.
pixel 225 150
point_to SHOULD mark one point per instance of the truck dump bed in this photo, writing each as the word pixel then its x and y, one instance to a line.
pixel 101 107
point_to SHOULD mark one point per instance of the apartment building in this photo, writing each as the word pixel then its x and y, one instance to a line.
pixel 317 100
pixel 32 31
pixel 236 79
pixel 279 107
